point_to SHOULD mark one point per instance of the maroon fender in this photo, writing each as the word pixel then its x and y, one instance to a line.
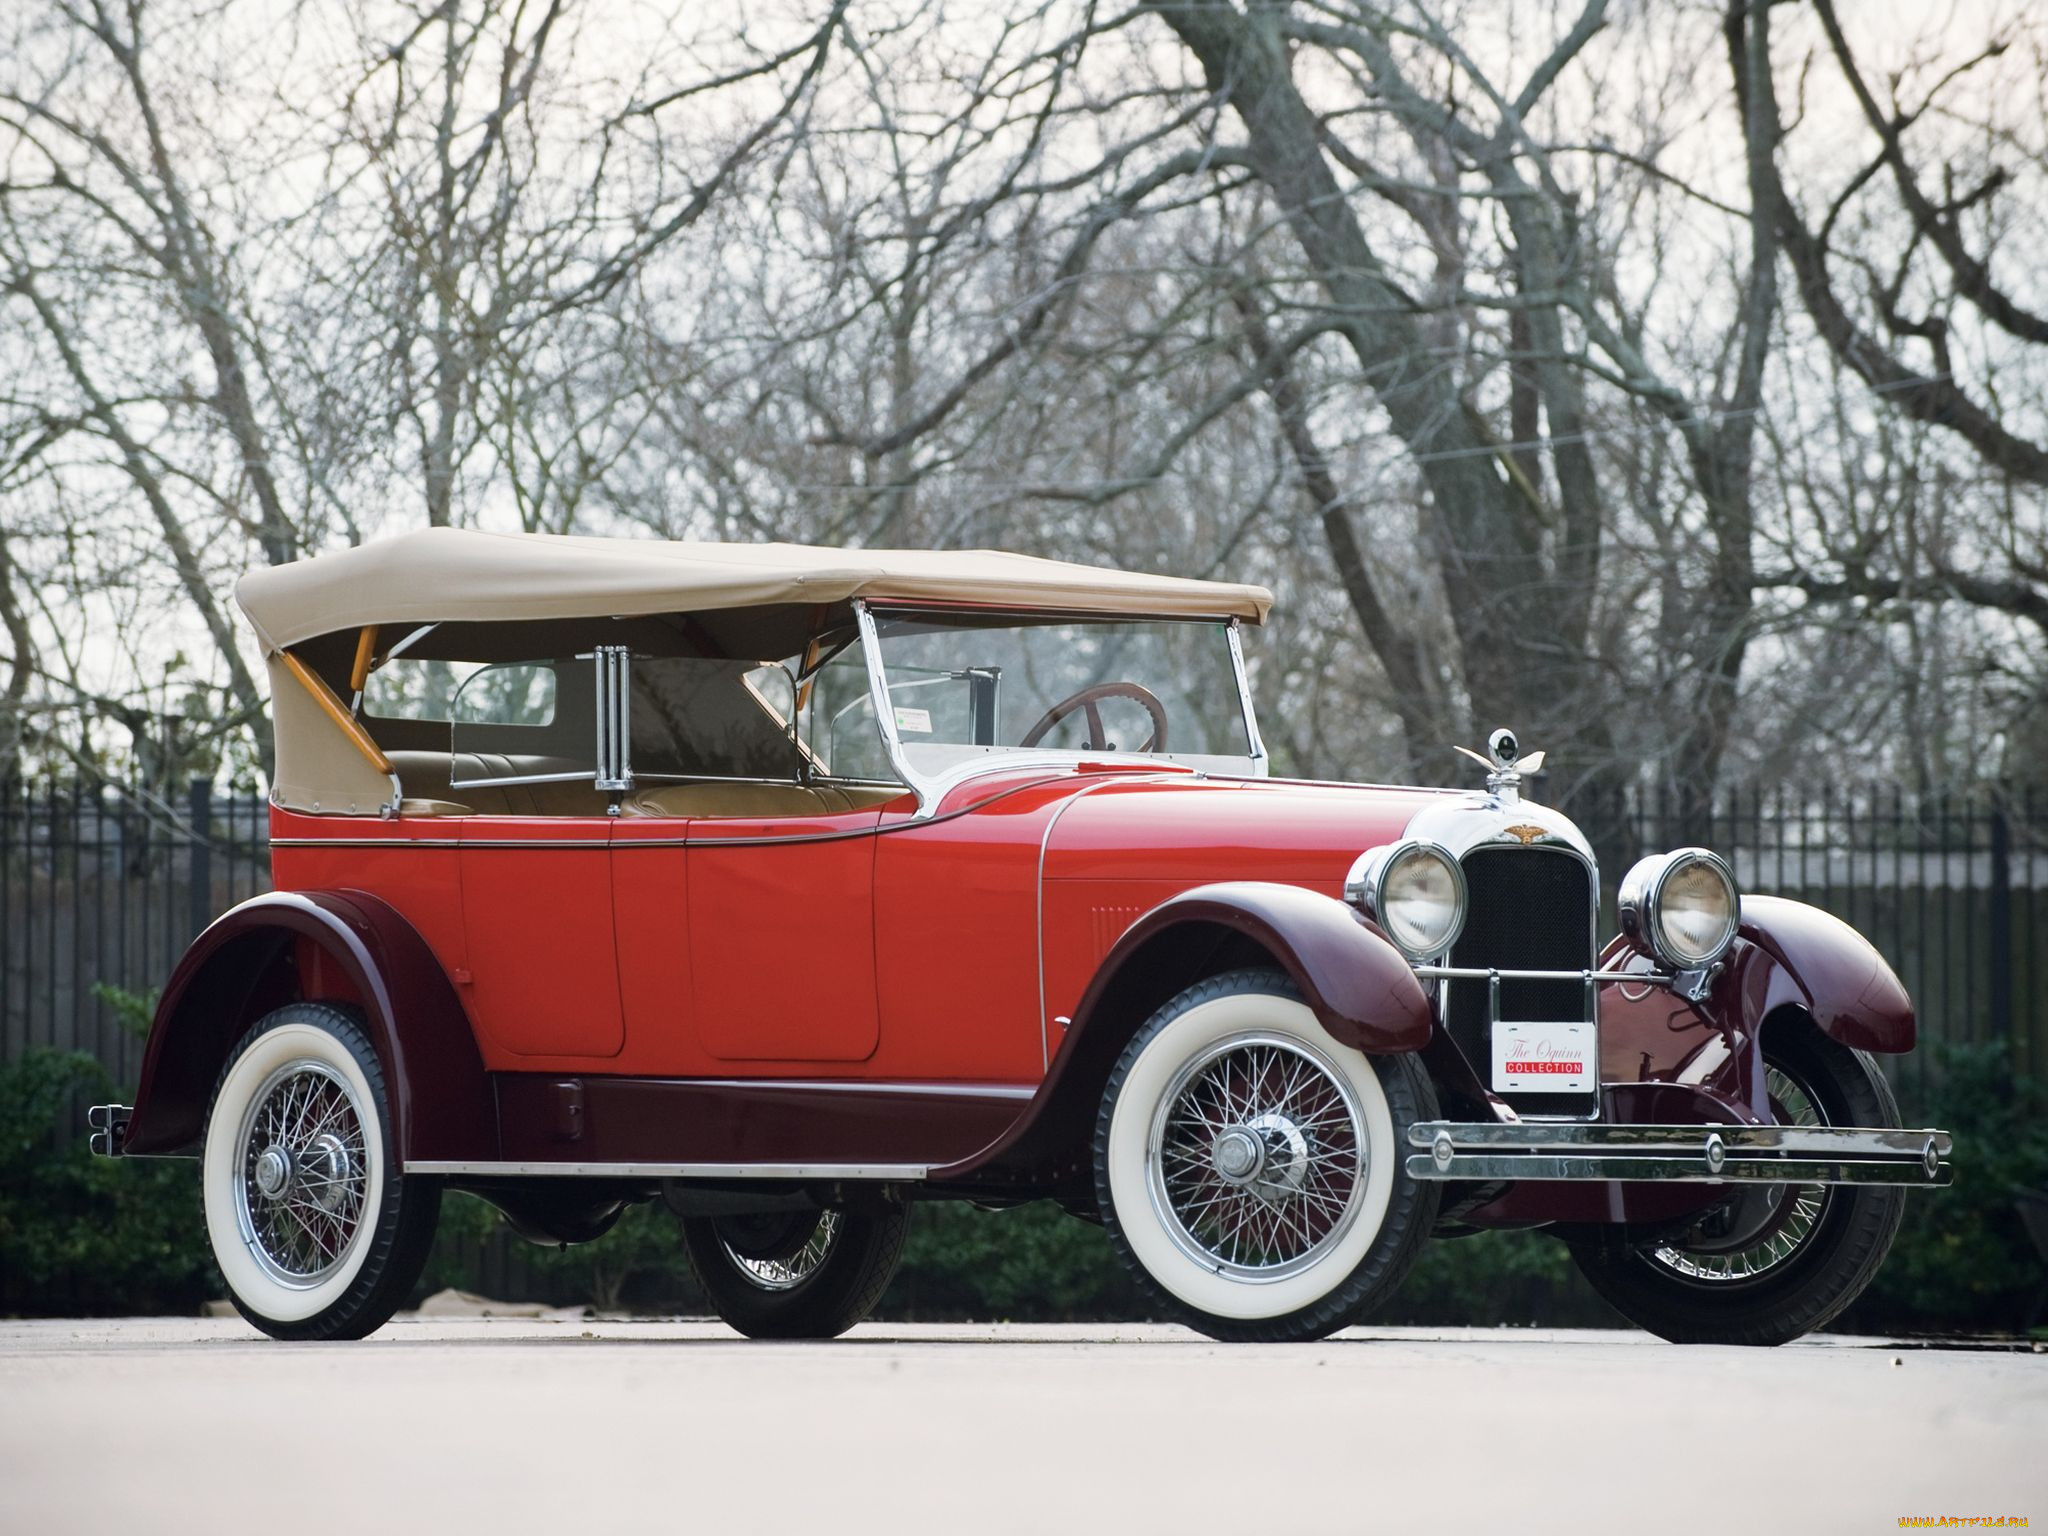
pixel 251 960
pixel 1803 955
pixel 1360 988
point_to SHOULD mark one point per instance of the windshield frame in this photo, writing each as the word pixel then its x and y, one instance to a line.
pixel 931 788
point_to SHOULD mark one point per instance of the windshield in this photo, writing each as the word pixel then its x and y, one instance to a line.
pixel 963 687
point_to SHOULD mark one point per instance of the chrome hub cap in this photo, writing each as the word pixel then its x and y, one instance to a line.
pixel 1257 1157
pixel 301 1198
pixel 273 1171
pixel 1239 1155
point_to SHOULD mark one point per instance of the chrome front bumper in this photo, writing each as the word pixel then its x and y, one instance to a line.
pixel 1695 1154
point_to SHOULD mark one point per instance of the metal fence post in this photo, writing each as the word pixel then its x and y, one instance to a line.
pixel 2001 924
pixel 199 853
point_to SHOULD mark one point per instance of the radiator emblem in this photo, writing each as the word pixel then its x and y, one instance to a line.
pixel 1525 833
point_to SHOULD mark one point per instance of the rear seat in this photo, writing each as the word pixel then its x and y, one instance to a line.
pixel 424 779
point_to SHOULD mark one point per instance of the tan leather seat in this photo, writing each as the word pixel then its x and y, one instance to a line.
pixel 418 805
pixel 424 779
pixel 715 798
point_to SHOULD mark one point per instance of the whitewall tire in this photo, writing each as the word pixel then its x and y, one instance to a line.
pixel 1249 1168
pixel 316 1232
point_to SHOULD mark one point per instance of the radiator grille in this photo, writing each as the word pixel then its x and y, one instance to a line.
pixel 1531 909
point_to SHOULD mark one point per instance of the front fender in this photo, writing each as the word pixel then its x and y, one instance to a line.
pixel 245 964
pixel 1802 955
pixel 1357 984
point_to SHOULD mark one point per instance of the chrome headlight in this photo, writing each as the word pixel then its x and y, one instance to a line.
pixel 1415 891
pixel 1681 907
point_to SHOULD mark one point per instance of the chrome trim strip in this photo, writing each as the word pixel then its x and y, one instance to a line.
pixel 365 842
pixel 867 1085
pixel 470 843
pixel 496 1170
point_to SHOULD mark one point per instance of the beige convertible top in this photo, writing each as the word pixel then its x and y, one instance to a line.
pixel 327 763
pixel 452 574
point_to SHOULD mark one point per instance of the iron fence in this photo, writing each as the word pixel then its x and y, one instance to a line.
pixel 103 887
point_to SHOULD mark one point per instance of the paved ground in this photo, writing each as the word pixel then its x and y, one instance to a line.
pixel 558 1424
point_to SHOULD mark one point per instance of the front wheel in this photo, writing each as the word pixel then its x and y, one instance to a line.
pixel 317 1232
pixel 1773 1261
pixel 1249 1169
pixel 797 1275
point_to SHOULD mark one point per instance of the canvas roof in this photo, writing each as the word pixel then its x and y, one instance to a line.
pixel 452 574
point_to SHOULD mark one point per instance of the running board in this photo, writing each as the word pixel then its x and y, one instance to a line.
pixel 1695 1154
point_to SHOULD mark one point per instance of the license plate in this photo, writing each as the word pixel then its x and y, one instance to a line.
pixel 1544 1058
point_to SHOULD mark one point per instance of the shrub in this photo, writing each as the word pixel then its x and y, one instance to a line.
pixel 1963 1262
pixel 80 1234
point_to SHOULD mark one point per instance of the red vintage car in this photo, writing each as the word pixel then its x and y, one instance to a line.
pixel 790 887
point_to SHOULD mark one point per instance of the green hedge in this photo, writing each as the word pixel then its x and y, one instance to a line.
pixel 80 1235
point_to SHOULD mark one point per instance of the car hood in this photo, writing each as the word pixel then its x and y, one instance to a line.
pixel 1203 829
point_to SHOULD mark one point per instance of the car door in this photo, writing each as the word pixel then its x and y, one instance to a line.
pixel 537 915
pixel 542 979
pixel 782 936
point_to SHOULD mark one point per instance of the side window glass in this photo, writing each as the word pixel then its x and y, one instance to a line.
pixel 516 693
pixel 405 689
pixel 839 724
pixel 529 722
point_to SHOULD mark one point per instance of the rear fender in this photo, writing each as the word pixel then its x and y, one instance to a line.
pixel 340 946
pixel 1360 988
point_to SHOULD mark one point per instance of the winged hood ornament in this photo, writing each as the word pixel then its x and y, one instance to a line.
pixel 1503 764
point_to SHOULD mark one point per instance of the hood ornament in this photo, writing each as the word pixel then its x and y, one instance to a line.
pixel 1504 769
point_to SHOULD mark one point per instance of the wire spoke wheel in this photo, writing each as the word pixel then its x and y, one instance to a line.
pixel 787 1273
pixel 1794 1211
pixel 303 1173
pixel 1259 1159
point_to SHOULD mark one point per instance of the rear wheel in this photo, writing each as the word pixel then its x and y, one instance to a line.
pixel 1250 1170
pixel 317 1232
pixel 797 1275
pixel 1771 1262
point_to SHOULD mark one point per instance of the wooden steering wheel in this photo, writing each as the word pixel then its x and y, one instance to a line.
pixel 1086 699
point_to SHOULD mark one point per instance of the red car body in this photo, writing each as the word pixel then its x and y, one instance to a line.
pixel 576 997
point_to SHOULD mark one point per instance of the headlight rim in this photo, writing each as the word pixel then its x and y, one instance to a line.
pixel 1640 899
pixel 1367 880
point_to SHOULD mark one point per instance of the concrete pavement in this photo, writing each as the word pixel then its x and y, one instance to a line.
pixel 166 1426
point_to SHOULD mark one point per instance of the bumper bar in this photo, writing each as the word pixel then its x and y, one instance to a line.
pixel 109 1124
pixel 1695 1154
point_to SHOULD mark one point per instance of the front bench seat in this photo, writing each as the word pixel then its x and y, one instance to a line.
pixel 728 797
